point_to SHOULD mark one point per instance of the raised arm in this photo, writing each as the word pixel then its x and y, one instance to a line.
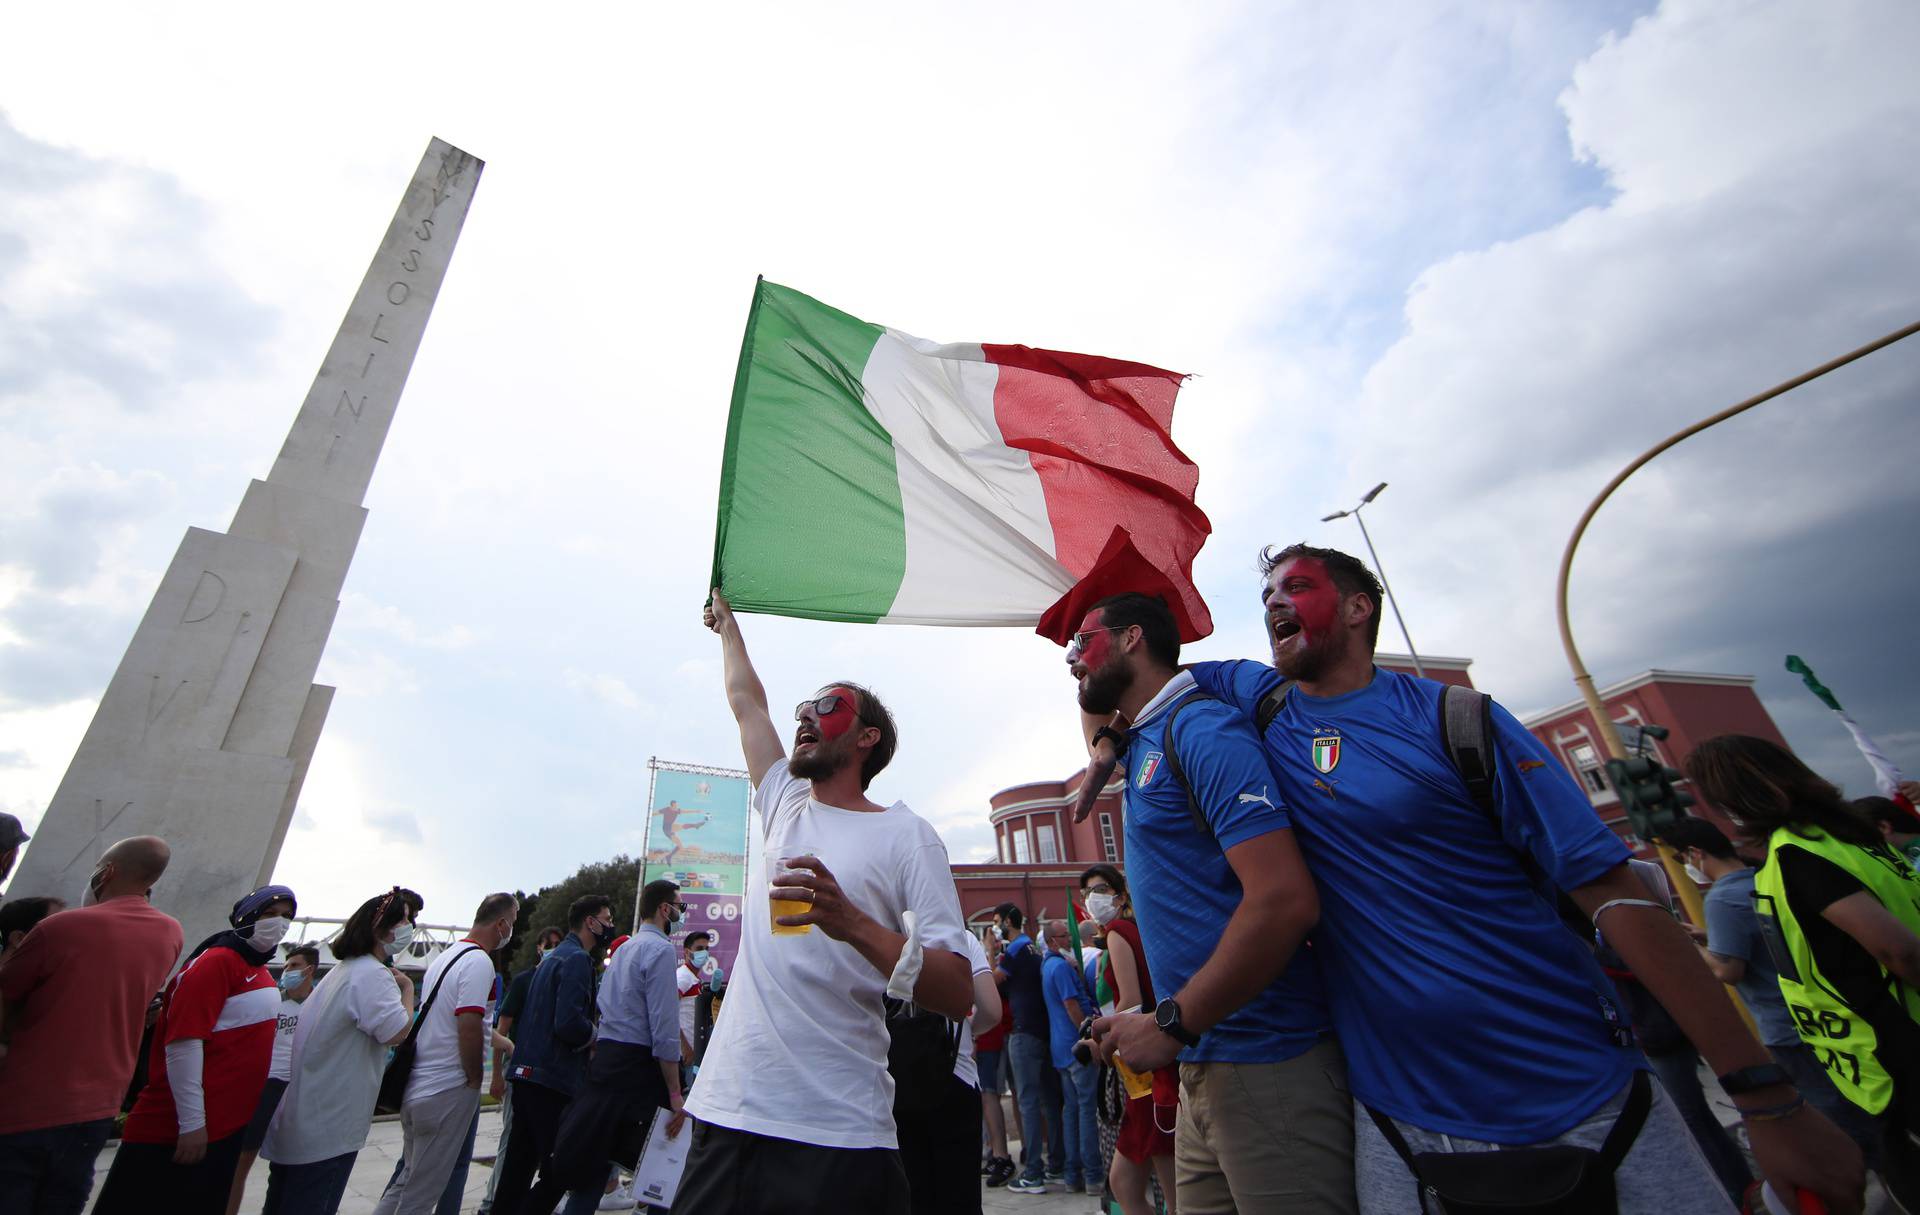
pixel 759 741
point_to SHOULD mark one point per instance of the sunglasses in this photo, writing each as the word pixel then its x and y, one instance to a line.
pixel 1082 640
pixel 826 706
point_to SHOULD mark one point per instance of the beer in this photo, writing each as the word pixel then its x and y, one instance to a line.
pixel 776 869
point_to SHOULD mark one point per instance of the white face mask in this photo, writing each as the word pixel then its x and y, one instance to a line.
pixel 268 931
pixel 90 893
pixel 1693 871
pixel 402 937
pixel 1103 907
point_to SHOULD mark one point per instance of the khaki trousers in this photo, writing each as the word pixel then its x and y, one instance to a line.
pixel 1259 1137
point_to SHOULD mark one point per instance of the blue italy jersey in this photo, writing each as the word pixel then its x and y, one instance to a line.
pixel 1184 892
pixel 1463 1005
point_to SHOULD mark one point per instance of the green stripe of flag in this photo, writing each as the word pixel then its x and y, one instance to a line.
pixel 810 517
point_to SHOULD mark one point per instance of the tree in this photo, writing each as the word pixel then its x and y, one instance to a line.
pixel 618 879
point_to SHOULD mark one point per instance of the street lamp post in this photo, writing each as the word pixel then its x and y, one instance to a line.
pixel 1398 618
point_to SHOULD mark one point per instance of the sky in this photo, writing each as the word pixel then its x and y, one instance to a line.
pixel 1484 252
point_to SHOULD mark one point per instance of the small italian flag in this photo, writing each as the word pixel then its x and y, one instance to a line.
pixel 871 476
pixel 1886 775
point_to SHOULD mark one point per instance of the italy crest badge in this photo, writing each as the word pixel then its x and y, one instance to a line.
pixel 1326 752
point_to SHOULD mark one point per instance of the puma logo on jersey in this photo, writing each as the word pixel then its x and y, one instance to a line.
pixel 1257 799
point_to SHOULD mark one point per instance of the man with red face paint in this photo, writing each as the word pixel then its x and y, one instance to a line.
pixel 1224 902
pixel 794 1108
pixel 1471 1019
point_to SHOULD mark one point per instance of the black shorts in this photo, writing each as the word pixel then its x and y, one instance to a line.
pixel 731 1172
pixel 256 1132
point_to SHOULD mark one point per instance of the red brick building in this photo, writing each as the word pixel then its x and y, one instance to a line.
pixel 1041 852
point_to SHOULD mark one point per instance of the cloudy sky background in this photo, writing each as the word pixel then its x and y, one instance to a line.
pixel 1484 252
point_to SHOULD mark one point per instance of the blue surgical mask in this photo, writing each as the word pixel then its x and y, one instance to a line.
pixel 291 978
pixel 700 957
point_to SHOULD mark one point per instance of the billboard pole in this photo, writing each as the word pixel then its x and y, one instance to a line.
pixel 646 840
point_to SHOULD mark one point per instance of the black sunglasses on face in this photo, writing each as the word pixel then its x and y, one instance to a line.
pixel 1082 640
pixel 826 706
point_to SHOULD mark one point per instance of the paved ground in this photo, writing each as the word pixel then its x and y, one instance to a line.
pixel 375 1165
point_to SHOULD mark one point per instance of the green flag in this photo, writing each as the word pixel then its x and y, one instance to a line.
pixel 1799 667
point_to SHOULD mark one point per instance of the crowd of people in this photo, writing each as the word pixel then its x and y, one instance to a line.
pixel 1371 951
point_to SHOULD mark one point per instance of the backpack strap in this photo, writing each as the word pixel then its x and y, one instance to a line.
pixel 1269 708
pixel 1194 812
pixel 1466 730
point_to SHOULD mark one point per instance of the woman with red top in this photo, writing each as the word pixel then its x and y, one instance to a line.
pixel 1146 1133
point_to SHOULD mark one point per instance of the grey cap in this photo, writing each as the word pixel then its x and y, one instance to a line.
pixel 12 834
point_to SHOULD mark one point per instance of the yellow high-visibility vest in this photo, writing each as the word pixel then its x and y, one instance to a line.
pixel 1844 1041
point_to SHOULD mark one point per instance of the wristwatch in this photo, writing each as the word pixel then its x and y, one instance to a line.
pixel 1166 1015
pixel 1747 1079
pixel 1118 739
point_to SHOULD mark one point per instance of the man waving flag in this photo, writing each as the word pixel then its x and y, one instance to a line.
pixel 871 476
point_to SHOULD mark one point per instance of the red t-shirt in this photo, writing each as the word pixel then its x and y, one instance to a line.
pixel 996 1038
pixel 1129 932
pixel 233 1006
pixel 77 989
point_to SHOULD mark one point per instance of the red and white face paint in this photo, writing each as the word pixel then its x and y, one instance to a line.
pixel 1303 613
pixel 844 717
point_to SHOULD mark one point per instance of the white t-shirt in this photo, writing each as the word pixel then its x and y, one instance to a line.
pixel 966 1066
pixel 339 1052
pixel 436 1050
pixel 688 985
pixel 283 1039
pixel 801 1053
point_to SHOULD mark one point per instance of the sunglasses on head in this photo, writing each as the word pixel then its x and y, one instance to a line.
pixel 825 706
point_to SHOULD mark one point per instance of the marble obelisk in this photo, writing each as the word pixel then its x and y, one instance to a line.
pixel 204 734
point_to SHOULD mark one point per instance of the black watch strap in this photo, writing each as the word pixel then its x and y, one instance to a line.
pixel 1747 1079
pixel 1119 740
pixel 1166 1015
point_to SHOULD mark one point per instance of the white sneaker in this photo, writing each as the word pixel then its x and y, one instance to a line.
pixel 621 1199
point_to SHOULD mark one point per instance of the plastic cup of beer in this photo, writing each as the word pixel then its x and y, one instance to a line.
pixel 776 857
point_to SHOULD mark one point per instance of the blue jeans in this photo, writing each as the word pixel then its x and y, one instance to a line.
pixel 1039 1085
pixel 1080 1088
pixel 1679 1073
pixel 308 1189
pixel 49 1171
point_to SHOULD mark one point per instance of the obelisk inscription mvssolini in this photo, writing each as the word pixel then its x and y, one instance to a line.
pixel 204 734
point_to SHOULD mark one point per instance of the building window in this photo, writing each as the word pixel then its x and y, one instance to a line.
pixel 1022 854
pixel 1107 845
pixel 1049 846
pixel 1592 776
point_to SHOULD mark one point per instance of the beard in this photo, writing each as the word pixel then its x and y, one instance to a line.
pixel 1310 661
pixel 826 759
pixel 1105 686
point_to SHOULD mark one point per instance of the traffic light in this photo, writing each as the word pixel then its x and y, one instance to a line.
pixel 1645 787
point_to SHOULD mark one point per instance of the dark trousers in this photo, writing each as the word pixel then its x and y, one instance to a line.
pixel 733 1172
pixel 536 1127
pixel 50 1171
pixel 308 1189
pixel 1679 1073
pixel 143 1170
pixel 608 1119
pixel 940 1150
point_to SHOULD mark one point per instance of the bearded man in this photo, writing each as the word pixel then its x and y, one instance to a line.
pixel 850 901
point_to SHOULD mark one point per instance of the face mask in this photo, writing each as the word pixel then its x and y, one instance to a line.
pixel 268 931
pixel 1103 907
pixel 700 957
pixel 90 894
pixel 402 937
pixel 290 979
pixel 1693 871
pixel 602 932
pixel 540 955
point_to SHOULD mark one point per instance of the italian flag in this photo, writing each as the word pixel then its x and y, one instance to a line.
pixel 873 476
pixel 1886 775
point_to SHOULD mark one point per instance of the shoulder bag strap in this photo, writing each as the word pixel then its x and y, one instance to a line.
pixel 1627 1126
pixel 1270 706
pixel 422 1018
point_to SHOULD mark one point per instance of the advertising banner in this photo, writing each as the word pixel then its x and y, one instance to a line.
pixel 697 829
